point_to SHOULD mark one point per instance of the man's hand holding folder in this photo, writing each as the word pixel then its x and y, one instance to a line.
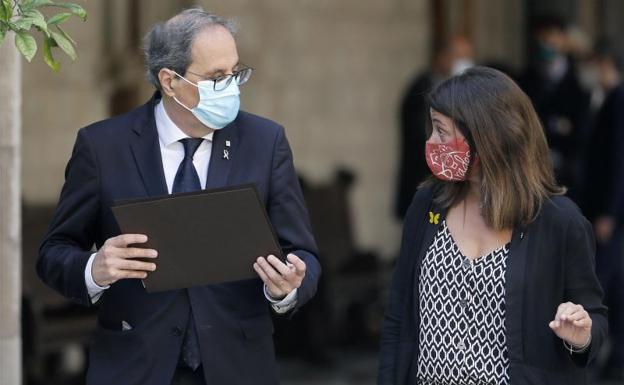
pixel 117 259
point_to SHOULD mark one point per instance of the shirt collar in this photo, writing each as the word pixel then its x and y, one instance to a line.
pixel 168 131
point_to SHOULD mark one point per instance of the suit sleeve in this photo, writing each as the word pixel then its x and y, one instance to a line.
pixel 582 285
pixel 289 216
pixel 66 248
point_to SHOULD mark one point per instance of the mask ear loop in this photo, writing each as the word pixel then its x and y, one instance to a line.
pixel 185 79
pixel 188 81
pixel 465 207
pixel 472 164
pixel 474 158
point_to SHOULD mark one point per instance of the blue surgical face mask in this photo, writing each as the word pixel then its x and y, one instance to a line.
pixel 216 109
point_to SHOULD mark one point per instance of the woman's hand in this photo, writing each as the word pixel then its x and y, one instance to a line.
pixel 572 324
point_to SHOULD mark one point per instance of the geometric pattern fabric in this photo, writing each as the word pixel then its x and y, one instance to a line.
pixel 462 316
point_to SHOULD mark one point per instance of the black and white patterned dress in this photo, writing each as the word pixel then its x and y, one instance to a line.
pixel 462 316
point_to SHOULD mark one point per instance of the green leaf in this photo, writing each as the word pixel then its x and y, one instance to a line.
pixel 6 10
pixel 2 34
pixel 44 31
pixel 26 44
pixel 32 4
pixel 48 43
pixel 37 18
pixel 62 31
pixel 75 9
pixel 59 18
pixel 65 44
pixel 21 24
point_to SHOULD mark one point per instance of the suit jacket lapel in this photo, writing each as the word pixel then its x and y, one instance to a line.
pixel 146 151
pixel 224 145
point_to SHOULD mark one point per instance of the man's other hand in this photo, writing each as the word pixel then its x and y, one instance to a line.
pixel 279 277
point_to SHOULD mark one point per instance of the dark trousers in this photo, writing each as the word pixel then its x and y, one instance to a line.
pixel 610 270
pixel 185 376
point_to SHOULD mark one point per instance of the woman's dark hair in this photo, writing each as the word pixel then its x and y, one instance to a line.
pixel 503 130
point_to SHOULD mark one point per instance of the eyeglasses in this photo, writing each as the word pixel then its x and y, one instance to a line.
pixel 241 76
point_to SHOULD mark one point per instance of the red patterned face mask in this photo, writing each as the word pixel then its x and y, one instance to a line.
pixel 448 161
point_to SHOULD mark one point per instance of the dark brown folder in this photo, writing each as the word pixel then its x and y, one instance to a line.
pixel 204 237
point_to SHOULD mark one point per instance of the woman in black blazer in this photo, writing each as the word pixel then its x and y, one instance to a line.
pixel 495 282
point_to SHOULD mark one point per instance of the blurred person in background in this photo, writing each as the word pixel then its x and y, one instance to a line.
pixel 449 58
pixel 495 282
pixel 603 200
pixel 552 83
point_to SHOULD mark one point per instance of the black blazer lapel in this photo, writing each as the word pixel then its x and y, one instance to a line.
pixel 432 221
pixel 224 145
pixel 514 290
pixel 146 151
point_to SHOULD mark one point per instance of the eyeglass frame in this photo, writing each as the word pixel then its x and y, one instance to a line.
pixel 217 79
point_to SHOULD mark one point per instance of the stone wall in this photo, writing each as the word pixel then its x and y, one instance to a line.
pixel 56 105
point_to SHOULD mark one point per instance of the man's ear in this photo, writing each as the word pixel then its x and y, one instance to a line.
pixel 167 78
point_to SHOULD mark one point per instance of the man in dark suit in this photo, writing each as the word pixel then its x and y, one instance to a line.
pixel 189 136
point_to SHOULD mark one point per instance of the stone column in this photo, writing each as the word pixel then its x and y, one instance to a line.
pixel 10 238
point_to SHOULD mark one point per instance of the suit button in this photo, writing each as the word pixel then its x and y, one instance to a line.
pixel 176 331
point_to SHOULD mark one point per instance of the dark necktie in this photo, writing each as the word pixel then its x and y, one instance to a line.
pixel 186 180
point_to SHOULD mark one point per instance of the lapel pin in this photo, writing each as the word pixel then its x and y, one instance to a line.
pixel 434 218
pixel 228 143
pixel 226 154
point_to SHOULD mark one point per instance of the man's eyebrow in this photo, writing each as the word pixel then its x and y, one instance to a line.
pixel 213 72
pixel 216 71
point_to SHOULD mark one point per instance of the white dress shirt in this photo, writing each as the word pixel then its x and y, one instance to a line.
pixel 172 152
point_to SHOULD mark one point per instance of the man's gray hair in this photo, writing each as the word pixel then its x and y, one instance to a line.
pixel 169 43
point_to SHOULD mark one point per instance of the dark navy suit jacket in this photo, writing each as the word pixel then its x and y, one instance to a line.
pixel 120 158
pixel 550 261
